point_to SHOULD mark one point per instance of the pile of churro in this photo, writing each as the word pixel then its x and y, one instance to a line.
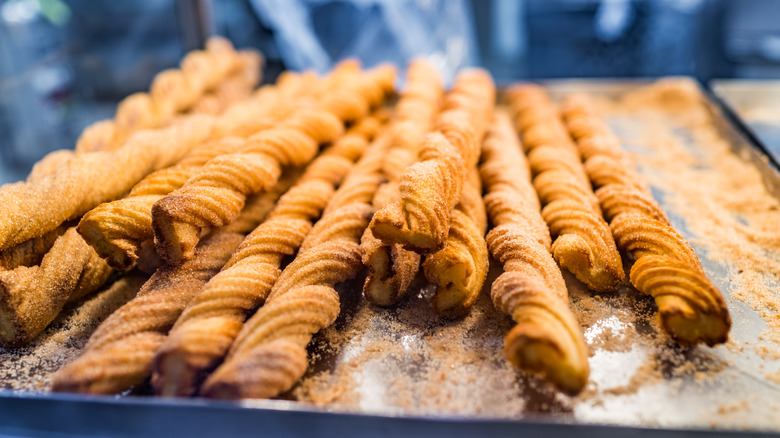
pixel 247 207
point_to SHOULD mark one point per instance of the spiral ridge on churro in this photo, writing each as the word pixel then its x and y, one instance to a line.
pixel 202 335
pixel 547 338
pixel 120 352
pixel 583 243
pixel 430 188
pixel 391 268
pixel 691 307
pixel 215 195
pixel 269 354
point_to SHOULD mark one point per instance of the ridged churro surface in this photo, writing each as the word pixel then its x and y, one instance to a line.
pixel 582 241
pixel 691 307
pixel 547 338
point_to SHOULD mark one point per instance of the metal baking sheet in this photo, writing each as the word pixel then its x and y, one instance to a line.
pixel 403 372
pixel 757 105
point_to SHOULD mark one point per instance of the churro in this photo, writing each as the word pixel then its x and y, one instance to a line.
pixel 583 243
pixel 460 268
pixel 117 229
pixel 120 352
pixel 391 268
pixel 269 354
pixel 215 195
pixel 691 307
pixel 547 338
pixel 431 188
pixel 202 335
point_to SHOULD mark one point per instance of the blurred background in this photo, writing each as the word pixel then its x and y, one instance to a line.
pixel 66 63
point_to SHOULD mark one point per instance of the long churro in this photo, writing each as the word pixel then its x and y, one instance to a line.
pixel 391 268
pixel 33 209
pixel 691 307
pixel 583 243
pixel 215 195
pixel 202 335
pixel 431 188
pixel 269 354
pixel 117 229
pixel 120 352
pixel 547 338
pixel 172 91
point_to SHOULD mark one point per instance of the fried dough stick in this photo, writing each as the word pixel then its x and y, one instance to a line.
pixel 691 307
pixel 431 188
pixel 583 243
pixel 391 268
pixel 172 92
pixel 42 274
pixel 215 195
pixel 119 354
pixel 203 333
pixel 235 88
pixel 547 338
pixel 117 229
pixel 459 270
pixel 269 354
pixel 35 208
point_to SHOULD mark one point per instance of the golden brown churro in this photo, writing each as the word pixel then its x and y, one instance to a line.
pixel 215 195
pixel 431 188
pixel 33 209
pixel 269 354
pixel 583 243
pixel 117 229
pixel 202 335
pixel 172 91
pixel 391 268
pixel 119 354
pixel 547 338
pixel 691 307
pixel 459 270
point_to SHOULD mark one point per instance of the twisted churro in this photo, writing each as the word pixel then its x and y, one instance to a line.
pixel 117 229
pixel 201 337
pixel 391 268
pixel 34 208
pixel 172 91
pixel 460 268
pixel 691 307
pixel 119 354
pixel 235 87
pixel 547 338
pixel 431 188
pixel 583 243
pixel 215 195
pixel 32 296
pixel 269 354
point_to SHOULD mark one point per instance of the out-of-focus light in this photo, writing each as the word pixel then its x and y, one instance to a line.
pixel 20 11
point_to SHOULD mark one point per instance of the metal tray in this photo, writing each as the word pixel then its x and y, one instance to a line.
pixel 710 391
pixel 756 103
